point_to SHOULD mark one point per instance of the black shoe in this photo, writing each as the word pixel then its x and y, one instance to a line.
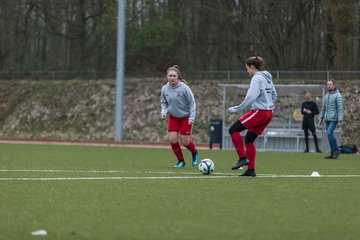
pixel 330 156
pixel 240 163
pixel 336 154
pixel 306 150
pixel 318 151
pixel 249 173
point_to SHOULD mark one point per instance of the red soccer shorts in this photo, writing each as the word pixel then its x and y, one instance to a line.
pixel 256 120
pixel 181 125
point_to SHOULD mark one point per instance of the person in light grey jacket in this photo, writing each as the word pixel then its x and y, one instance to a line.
pixel 332 112
pixel 260 98
pixel 179 108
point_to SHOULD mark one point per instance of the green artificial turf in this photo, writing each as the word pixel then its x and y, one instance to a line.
pixel 134 193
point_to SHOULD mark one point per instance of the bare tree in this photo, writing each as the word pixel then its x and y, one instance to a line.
pixel 196 34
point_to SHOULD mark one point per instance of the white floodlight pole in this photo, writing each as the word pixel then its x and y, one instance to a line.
pixel 120 59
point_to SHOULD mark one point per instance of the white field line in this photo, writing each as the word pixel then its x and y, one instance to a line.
pixel 306 176
pixel 198 175
pixel 95 171
pixel 172 177
pixel 62 171
pixel 110 178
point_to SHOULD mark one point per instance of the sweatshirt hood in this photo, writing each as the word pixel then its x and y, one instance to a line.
pixel 176 86
pixel 265 74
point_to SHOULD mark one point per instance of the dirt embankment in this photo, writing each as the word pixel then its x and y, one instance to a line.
pixel 84 110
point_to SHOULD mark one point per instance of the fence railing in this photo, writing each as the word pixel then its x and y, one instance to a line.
pixel 278 76
pixel 223 76
pixel 53 75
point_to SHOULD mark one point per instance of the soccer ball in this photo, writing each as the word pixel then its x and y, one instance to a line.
pixel 206 166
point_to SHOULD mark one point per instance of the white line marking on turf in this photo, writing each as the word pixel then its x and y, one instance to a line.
pixel 213 176
pixel 96 171
pixel 62 171
pixel 110 178
pixel 172 177
pixel 304 176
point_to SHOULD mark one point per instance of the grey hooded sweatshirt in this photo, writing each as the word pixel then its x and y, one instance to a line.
pixel 261 94
pixel 178 101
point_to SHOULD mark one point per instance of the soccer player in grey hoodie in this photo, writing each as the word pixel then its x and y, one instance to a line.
pixel 260 97
pixel 178 105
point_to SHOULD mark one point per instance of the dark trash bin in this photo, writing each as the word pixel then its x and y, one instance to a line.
pixel 216 126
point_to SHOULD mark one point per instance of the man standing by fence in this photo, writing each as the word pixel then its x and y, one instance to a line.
pixel 332 112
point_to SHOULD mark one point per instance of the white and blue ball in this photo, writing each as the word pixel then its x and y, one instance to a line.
pixel 206 166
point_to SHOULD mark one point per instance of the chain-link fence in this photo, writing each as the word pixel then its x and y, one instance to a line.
pixel 300 77
pixel 54 75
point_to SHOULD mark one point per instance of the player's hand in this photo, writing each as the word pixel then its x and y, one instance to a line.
pixel 232 109
pixel 190 122
pixel 162 117
pixel 307 111
pixel 340 124
pixel 320 122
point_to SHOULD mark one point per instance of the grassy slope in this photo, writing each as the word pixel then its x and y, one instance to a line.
pixel 84 109
pixel 229 208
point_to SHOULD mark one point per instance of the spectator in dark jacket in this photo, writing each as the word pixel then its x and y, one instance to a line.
pixel 309 109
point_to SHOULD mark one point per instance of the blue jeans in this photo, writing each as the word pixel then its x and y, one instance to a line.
pixel 330 127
